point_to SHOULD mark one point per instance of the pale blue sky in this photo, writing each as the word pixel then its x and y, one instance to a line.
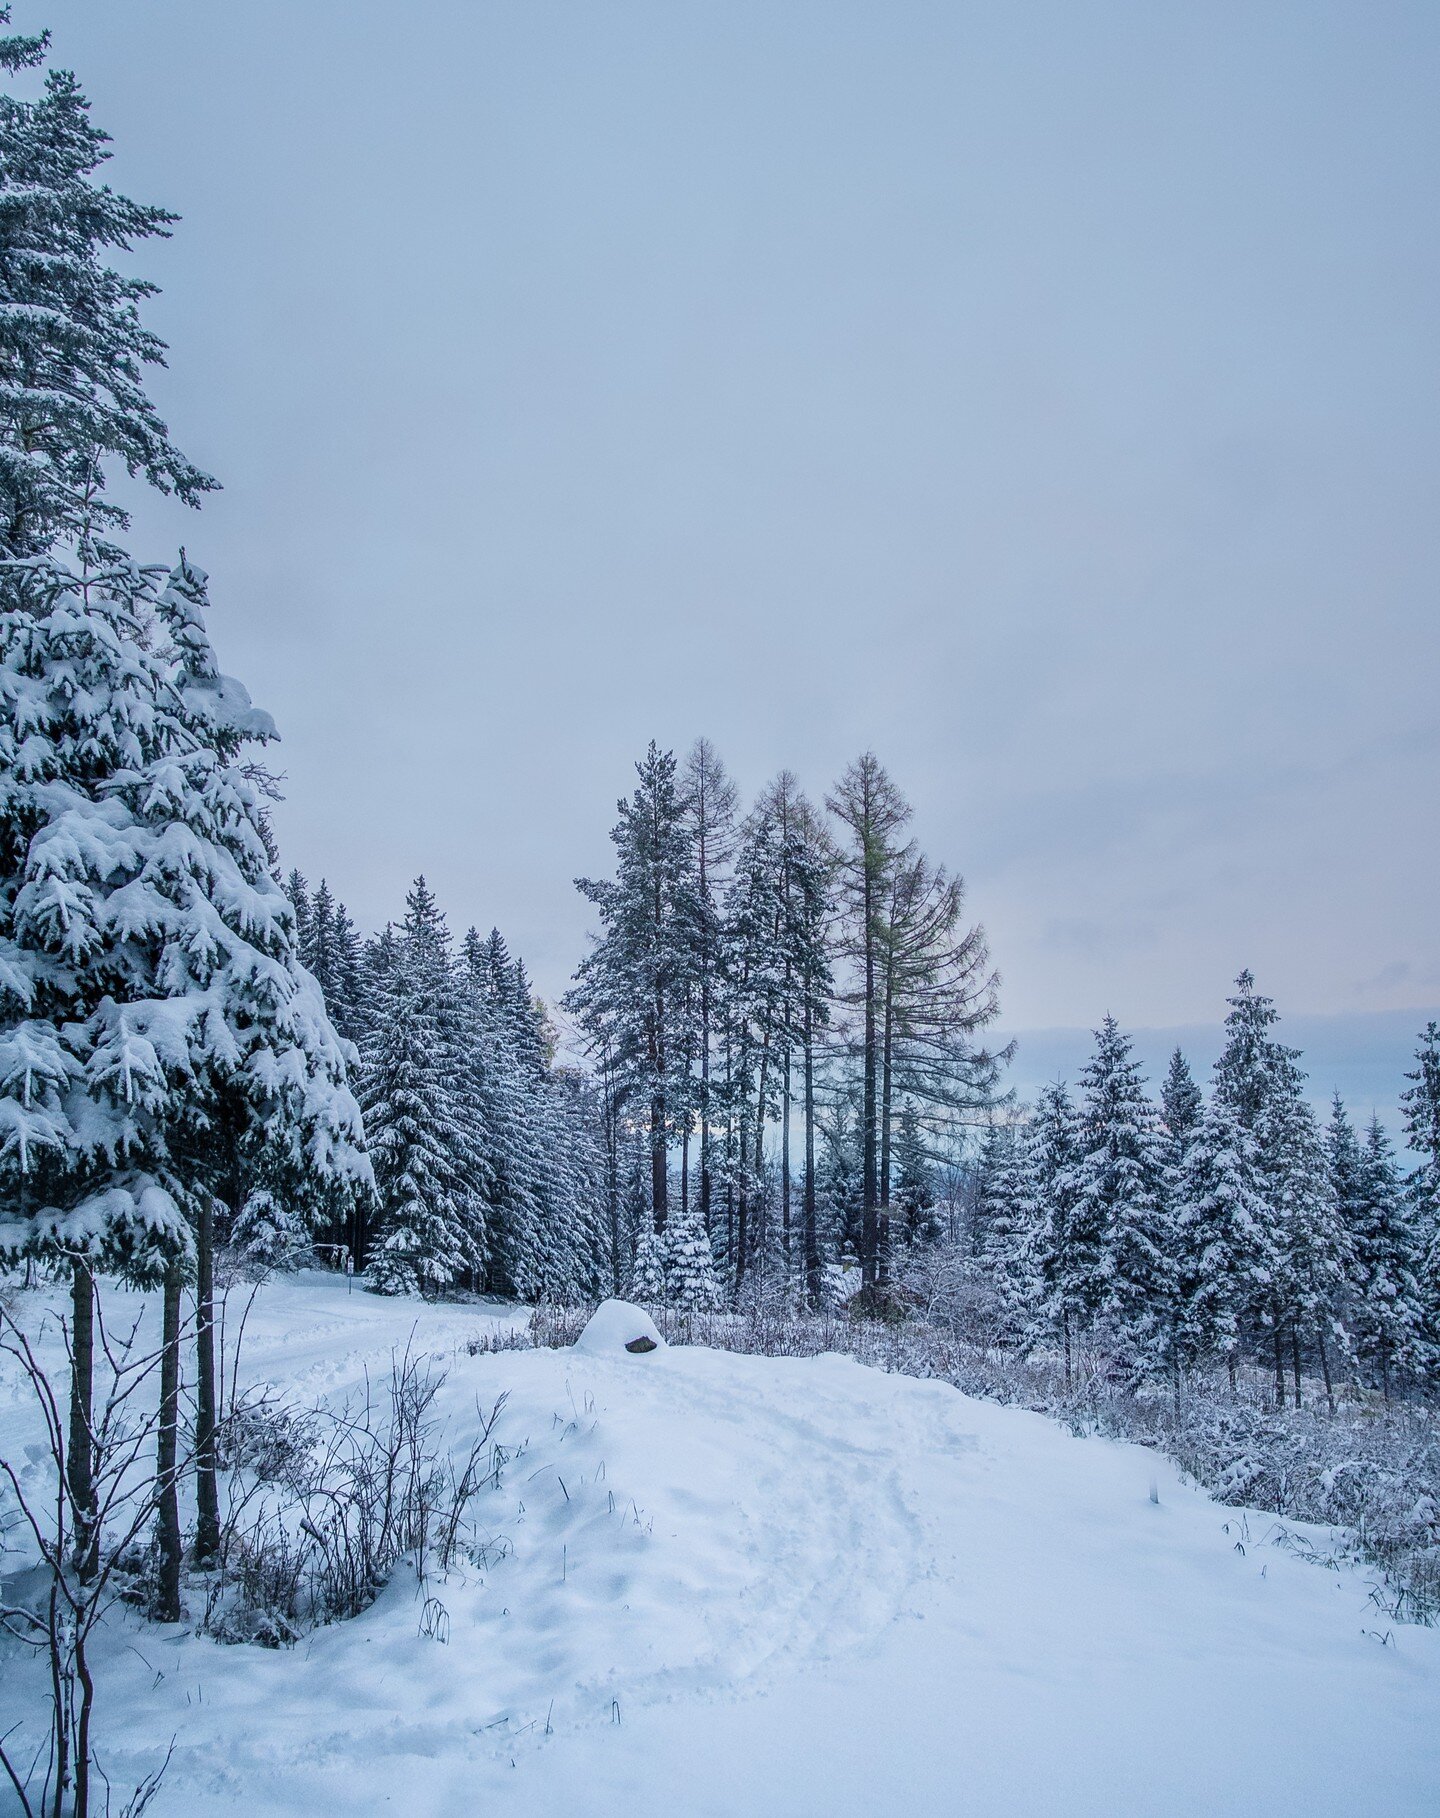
pixel 1044 395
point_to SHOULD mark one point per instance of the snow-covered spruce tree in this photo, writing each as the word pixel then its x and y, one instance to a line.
pixel 269 1107
pixel 84 1157
pixel 1420 1108
pixel 1388 1308
pixel 1181 1106
pixel 636 993
pixel 1223 1255
pixel 690 1284
pixel 159 1035
pixel 73 348
pixel 1066 1234
pixel 648 1285
pixel 421 1117
pixel 330 948
pixel 266 1236
pixel 1120 1191
pixel 914 1193
pixel 541 1141
pixel 1259 1077
pixel 1008 1250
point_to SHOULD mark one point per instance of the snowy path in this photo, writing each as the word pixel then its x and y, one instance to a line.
pixel 794 1588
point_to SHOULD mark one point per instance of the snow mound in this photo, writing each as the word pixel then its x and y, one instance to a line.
pixel 617 1326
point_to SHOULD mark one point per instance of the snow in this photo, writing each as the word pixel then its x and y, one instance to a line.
pixel 794 1587
pixel 614 1327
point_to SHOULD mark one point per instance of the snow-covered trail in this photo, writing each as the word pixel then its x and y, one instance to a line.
pixel 793 1587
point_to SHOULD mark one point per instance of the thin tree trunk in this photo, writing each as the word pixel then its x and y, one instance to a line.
pixel 80 1464
pixel 1279 1369
pixel 869 1214
pixel 785 1160
pixel 1325 1369
pixel 887 1087
pixel 760 1131
pixel 83 1674
pixel 1295 1360
pixel 659 1162
pixel 812 1234
pixel 167 1525
pixel 207 1495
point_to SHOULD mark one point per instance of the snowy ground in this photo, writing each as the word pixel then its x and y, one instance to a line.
pixel 787 1588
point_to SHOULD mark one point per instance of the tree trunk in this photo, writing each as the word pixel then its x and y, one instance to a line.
pixel 167 1523
pixel 785 1159
pixel 207 1495
pixel 1325 1369
pixel 812 1234
pixel 759 1151
pixel 1279 1369
pixel 659 1160
pixel 86 1681
pixel 1295 1360
pixel 869 1214
pixel 887 1088
pixel 80 1464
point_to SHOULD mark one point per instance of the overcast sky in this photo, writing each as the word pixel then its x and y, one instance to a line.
pixel 1041 395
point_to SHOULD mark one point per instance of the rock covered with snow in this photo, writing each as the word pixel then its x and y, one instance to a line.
pixel 616 1327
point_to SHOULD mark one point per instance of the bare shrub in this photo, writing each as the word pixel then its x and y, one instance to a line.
pixel 327 1503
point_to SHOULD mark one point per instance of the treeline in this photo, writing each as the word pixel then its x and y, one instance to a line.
pixel 782 1012
pixel 487 1165
pixel 1196 1232
pixel 779 1018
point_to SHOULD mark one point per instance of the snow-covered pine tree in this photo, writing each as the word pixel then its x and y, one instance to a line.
pixel 636 993
pixel 330 949
pixel 421 1117
pixel 1181 1106
pixel 268 1104
pixel 1066 1234
pixel 162 1044
pixel 1009 1216
pixel 541 1140
pixel 298 891
pixel 1224 1256
pixel 648 1285
pixel 1120 1191
pixel 914 1194
pixel 73 348
pixel 1342 1150
pixel 1388 1307
pixel 690 1283
pixel 266 1236
pixel 1259 1077
pixel 1420 1108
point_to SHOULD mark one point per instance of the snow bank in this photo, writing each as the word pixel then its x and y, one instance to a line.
pixel 615 1327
